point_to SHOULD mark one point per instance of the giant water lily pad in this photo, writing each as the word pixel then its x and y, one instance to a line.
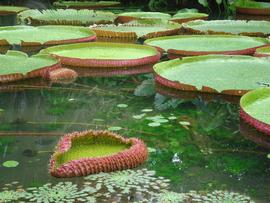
pixel 86 4
pixel 130 16
pixel 187 45
pixel 252 7
pixel 138 29
pixel 240 27
pixel 66 17
pixel 48 35
pixel 17 65
pixel 232 75
pixel 6 10
pixel 185 17
pixel 263 52
pixel 255 107
pixel 88 152
pixel 98 54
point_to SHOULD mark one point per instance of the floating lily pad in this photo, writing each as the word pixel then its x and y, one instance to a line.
pixel 10 164
pixel 130 16
pixel 115 128
pixel 240 27
pixel 104 55
pixel 187 45
pixel 252 7
pixel 185 17
pixel 255 108
pixel 122 105
pixel 17 65
pixel 231 75
pixel 88 152
pixel 6 10
pixel 66 17
pixel 138 29
pixel 263 52
pixel 86 4
pixel 48 35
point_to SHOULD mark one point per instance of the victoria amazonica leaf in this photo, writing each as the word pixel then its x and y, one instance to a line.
pixel 45 34
pixel 66 17
pixel 250 28
pixel 214 73
pixel 207 44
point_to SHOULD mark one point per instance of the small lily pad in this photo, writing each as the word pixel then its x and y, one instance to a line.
pixel 147 110
pixel 10 164
pixel 140 116
pixel 268 156
pixel 154 124
pixel 184 123
pixel 122 105
pixel 172 118
pixel 115 128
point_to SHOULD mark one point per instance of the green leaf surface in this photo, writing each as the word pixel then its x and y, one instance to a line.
pixel 99 50
pixel 263 50
pixel 141 27
pixel 42 34
pixel 93 4
pixel 229 26
pixel 207 42
pixel 90 147
pixel 19 62
pixel 217 71
pixel 10 164
pixel 67 16
pixel 189 15
pixel 257 104
pixel 147 15
pixel 12 9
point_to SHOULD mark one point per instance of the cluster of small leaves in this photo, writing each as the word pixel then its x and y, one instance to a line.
pixel 62 192
pixel 128 182
pixel 170 197
pixel 12 192
pixel 219 196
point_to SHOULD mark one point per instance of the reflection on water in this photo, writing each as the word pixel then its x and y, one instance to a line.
pixel 203 135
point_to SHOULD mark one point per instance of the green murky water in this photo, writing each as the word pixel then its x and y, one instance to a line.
pixel 197 145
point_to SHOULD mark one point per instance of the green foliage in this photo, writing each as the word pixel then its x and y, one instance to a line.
pixel 164 103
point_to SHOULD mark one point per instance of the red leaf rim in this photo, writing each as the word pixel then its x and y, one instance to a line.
pixel 259 125
pixel 184 20
pixel 110 72
pixel 115 34
pixel 35 73
pixel 189 30
pixel 254 135
pixel 135 155
pixel 253 11
pixel 186 87
pixel 107 63
pixel 248 51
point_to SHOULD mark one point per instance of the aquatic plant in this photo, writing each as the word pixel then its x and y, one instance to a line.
pixel 44 35
pixel 189 74
pixel 20 66
pixel 61 75
pixel 88 152
pixel 247 28
pixel 142 28
pixel 253 108
pixel 66 17
pixel 10 164
pixel 170 197
pixel 127 181
pixel 219 196
pixel 12 192
pixel 62 192
pixel 85 4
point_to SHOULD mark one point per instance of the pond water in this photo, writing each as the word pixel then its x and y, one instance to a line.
pixel 194 144
pixel 197 146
